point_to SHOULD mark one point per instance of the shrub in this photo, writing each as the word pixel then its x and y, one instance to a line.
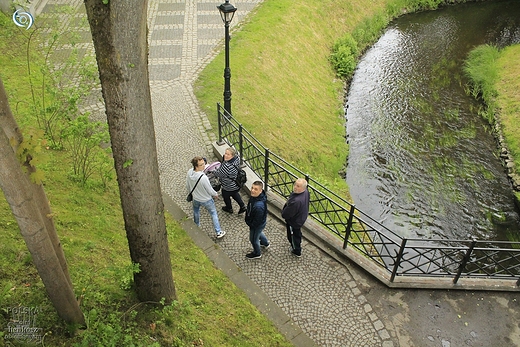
pixel 344 56
pixel 84 139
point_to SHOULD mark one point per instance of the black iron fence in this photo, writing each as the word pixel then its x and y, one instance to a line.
pixel 398 256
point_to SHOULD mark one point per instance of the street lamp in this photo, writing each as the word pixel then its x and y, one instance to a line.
pixel 227 11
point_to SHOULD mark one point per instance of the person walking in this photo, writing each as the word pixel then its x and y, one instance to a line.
pixel 256 219
pixel 295 212
pixel 203 194
pixel 227 172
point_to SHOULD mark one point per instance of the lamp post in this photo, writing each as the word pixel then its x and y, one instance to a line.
pixel 227 11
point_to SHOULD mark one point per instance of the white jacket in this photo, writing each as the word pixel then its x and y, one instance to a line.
pixel 203 192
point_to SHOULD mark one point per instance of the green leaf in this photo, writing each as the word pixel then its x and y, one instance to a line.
pixel 127 163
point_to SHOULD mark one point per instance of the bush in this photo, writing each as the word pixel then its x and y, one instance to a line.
pixel 346 51
pixel 344 56
pixel 84 139
pixel 482 70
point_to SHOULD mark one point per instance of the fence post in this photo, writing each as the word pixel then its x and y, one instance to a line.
pixel 220 142
pixel 266 167
pixel 348 230
pixel 240 144
pixel 465 260
pixel 398 259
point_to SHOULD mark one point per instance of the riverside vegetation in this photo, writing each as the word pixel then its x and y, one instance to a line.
pixel 495 77
pixel 210 309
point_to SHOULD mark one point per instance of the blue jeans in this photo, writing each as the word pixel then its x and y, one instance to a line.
pixel 257 238
pixel 210 206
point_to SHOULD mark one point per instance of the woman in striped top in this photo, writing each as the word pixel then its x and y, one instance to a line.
pixel 227 172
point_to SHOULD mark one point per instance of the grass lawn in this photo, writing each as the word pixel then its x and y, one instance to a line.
pixel 495 77
pixel 210 309
pixel 285 91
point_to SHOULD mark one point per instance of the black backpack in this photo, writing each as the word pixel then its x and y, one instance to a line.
pixel 241 178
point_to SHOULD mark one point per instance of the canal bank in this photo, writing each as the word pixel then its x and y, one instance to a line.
pixel 495 78
pixel 509 104
pixel 273 99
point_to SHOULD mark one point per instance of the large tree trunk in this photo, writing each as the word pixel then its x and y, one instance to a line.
pixel 20 195
pixel 14 134
pixel 119 34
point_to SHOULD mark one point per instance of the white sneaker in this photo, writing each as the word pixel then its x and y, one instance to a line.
pixel 221 234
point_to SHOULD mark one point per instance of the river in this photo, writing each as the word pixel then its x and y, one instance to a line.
pixel 422 161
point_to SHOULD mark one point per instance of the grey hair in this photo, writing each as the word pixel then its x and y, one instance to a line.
pixel 303 182
pixel 232 151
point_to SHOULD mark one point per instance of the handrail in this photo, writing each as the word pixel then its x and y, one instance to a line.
pixel 385 248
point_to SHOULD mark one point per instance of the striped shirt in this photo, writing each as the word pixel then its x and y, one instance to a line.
pixel 227 172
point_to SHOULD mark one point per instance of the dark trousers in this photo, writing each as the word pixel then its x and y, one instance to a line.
pixel 235 194
pixel 294 236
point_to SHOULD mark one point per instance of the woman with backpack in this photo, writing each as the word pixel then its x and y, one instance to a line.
pixel 228 172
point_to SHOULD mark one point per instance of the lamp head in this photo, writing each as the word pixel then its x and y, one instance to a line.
pixel 227 11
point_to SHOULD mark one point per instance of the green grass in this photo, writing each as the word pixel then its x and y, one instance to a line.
pixel 508 100
pixel 495 77
pixel 13 65
pixel 210 310
pixel 284 89
pixel 482 68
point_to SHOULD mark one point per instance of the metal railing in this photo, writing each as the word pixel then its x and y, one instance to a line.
pixel 397 255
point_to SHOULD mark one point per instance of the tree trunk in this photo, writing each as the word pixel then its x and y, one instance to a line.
pixel 20 196
pixel 11 129
pixel 119 33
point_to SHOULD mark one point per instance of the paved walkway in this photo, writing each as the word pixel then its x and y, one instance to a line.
pixel 316 292
pixel 315 299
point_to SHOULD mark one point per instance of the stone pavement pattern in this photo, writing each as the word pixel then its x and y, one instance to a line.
pixel 334 304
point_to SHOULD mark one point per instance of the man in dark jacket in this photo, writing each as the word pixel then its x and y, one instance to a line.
pixel 256 218
pixel 295 212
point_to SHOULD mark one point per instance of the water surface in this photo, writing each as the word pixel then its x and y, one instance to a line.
pixel 422 161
